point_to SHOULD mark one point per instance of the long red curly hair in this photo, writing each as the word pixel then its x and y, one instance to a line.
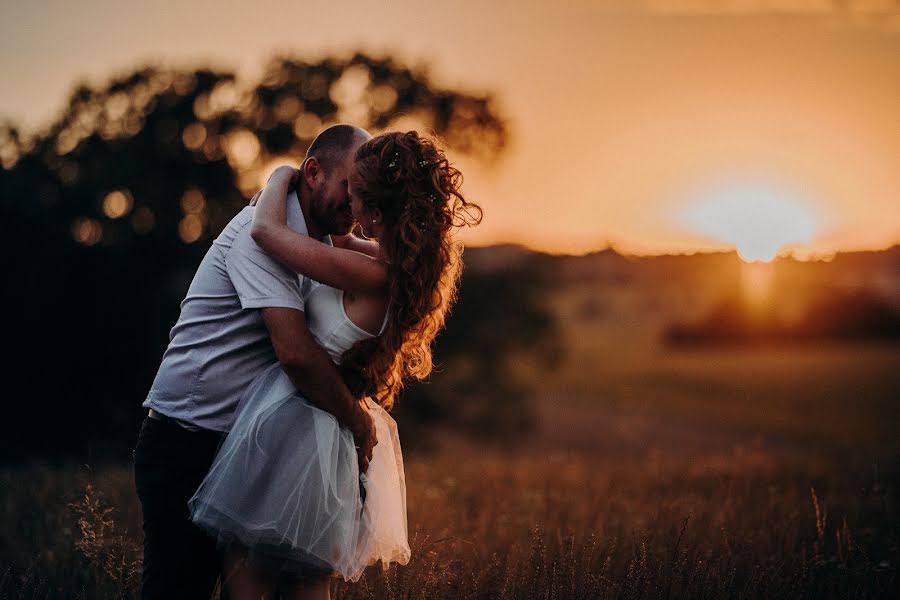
pixel 409 178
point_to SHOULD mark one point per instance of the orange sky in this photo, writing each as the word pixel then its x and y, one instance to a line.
pixel 624 115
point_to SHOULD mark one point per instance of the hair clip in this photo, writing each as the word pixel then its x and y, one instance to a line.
pixel 423 163
pixel 393 162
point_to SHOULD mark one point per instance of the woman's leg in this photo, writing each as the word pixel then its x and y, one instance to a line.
pixel 317 588
pixel 242 581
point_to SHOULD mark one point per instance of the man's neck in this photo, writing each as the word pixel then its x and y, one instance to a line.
pixel 313 228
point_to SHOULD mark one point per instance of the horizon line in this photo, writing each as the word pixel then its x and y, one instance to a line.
pixel 820 257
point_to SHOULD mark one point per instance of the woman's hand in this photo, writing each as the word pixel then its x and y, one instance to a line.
pixel 283 172
pixel 277 176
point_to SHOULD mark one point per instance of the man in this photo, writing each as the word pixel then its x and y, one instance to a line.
pixel 242 313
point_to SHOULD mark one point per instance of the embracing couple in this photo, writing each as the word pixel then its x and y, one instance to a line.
pixel 294 339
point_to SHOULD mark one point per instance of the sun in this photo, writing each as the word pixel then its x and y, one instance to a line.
pixel 757 219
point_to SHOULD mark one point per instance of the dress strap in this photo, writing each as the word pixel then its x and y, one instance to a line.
pixel 387 313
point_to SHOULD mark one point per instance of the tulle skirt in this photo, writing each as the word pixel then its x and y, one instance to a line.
pixel 285 486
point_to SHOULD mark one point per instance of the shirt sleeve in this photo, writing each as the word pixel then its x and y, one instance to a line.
pixel 260 280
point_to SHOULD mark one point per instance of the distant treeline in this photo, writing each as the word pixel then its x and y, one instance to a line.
pixel 705 298
pixel 841 315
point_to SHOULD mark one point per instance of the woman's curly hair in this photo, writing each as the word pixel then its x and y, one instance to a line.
pixel 409 179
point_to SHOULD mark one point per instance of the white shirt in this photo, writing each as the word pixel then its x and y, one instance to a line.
pixel 220 342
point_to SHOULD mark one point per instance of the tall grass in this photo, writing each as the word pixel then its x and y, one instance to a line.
pixel 488 525
pixel 748 476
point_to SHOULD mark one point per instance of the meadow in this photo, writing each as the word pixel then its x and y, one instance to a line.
pixel 755 473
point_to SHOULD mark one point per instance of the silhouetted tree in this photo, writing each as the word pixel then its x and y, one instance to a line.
pixel 109 210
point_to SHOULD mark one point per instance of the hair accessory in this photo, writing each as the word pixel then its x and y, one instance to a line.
pixel 423 163
pixel 393 162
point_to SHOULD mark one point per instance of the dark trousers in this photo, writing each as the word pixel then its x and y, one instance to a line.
pixel 180 560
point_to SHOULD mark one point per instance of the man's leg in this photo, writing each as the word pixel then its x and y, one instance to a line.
pixel 180 560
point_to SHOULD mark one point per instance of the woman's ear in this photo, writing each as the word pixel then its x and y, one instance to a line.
pixel 376 215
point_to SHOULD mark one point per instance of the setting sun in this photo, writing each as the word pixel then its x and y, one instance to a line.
pixel 757 219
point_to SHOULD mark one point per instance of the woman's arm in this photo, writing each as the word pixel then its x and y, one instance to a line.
pixel 351 242
pixel 342 268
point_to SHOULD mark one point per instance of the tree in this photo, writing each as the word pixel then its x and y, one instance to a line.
pixel 110 209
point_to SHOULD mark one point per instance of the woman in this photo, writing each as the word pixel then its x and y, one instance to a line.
pixel 285 492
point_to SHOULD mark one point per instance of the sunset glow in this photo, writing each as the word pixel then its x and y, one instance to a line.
pixel 614 107
pixel 758 220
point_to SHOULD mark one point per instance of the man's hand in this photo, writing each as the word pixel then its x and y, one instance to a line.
pixel 310 369
pixel 363 429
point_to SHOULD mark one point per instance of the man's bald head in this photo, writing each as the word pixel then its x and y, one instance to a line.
pixel 334 145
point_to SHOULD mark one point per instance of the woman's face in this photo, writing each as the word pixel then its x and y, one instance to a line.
pixel 360 212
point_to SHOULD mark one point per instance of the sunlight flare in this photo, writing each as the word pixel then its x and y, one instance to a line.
pixel 757 219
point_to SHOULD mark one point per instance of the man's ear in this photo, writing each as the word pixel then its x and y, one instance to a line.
pixel 311 172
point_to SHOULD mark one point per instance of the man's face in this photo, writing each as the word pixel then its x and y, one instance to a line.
pixel 330 203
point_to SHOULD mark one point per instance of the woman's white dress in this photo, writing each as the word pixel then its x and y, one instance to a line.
pixel 285 484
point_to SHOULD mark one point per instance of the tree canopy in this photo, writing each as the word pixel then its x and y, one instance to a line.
pixel 109 209
pixel 173 154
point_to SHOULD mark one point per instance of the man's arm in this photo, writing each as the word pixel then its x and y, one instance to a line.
pixel 311 370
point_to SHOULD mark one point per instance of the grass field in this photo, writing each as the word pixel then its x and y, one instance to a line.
pixel 654 474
